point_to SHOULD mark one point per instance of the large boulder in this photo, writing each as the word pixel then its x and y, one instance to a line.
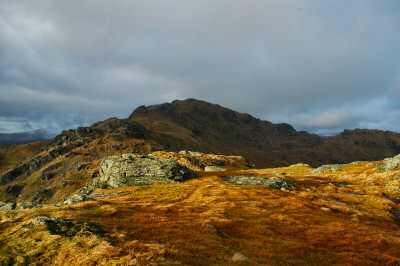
pixel 135 170
pixel 390 164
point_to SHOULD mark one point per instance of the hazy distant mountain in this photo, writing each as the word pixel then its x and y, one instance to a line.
pixel 24 137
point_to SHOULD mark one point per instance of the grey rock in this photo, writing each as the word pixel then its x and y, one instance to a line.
pixel 135 170
pixel 75 199
pixel 25 205
pixel 59 226
pixel 390 164
pixel 7 206
pixel 329 167
pixel 214 168
pixel 271 182
pixel 355 162
pixel 301 164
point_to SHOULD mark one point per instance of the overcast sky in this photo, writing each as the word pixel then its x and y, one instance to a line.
pixel 322 66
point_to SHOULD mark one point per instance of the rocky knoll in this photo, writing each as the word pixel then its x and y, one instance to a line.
pixel 135 170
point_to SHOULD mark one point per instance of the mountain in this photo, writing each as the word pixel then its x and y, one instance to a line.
pixel 201 126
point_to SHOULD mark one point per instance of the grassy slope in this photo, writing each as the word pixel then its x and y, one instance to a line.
pixel 11 155
pixel 319 223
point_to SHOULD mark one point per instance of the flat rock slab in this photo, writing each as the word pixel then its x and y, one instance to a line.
pixel 272 182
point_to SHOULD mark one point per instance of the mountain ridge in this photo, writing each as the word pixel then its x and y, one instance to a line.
pixel 206 127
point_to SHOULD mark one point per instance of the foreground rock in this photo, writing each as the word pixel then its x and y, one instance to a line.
pixel 390 164
pixel 272 182
pixel 7 206
pixel 137 170
pixel 59 226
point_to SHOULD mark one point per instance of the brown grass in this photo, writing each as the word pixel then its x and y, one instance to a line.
pixel 168 224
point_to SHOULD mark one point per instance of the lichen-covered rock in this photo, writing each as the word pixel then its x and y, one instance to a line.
pixel 301 164
pixel 75 199
pixel 390 164
pixel 135 170
pixel 7 206
pixel 272 182
pixel 211 168
pixel 198 161
pixel 25 205
pixel 329 167
pixel 59 226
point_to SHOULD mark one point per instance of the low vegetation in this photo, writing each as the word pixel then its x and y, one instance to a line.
pixel 336 218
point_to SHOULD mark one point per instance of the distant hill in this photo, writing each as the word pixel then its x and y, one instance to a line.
pixel 24 137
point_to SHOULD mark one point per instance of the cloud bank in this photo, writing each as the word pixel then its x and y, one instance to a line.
pixel 322 66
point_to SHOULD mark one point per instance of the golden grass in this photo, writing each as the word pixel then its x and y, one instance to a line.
pixel 207 221
pixel 168 224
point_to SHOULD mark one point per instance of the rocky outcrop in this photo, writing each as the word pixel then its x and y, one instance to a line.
pixel 198 161
pixel 325 168
pixel 136 170
pixel 390 164
pixel 59 226
pixel 25 205
pixel 7 206
pixel 272 182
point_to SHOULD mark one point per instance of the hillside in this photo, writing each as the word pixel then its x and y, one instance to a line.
pixel 297 215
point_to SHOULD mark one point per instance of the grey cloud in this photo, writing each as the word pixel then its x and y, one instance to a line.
pixel 321 66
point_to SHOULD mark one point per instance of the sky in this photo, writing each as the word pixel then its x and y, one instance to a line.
pixel 322 66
